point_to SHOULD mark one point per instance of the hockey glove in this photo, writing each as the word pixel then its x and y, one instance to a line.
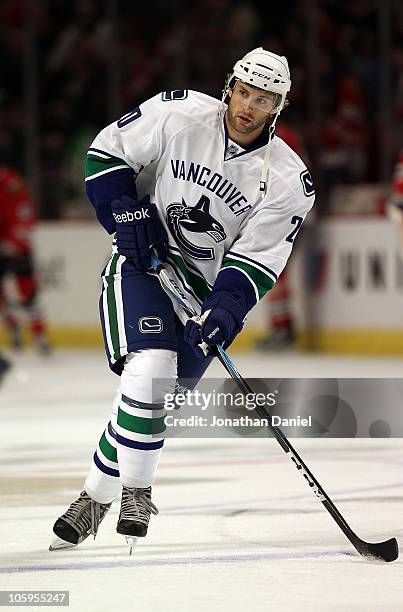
pixel 138 230
pixel 221 320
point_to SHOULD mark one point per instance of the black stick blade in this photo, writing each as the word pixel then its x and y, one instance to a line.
pixel 383 551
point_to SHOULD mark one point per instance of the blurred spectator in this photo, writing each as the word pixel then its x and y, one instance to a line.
pixel 345 135
pixel 82 49
pixel 17 219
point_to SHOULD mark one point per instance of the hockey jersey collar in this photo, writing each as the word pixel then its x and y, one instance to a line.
pixel 259 142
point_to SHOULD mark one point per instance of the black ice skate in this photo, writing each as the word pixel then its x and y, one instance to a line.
pixel 81 519
pixel 135 513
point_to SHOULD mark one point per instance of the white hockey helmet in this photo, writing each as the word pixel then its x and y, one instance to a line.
pixel 270 72
pixel 265 70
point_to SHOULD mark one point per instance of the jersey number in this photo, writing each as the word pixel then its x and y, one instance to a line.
pixel 174 94
pixel 129 117
pixel 297 221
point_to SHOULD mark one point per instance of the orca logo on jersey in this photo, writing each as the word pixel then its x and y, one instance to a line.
pixel 194 219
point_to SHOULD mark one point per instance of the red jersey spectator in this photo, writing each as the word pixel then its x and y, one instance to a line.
pixel 17 220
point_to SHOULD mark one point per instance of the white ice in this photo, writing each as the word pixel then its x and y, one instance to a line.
pixel 238 528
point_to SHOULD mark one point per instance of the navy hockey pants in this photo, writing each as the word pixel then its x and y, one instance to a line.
pixel 137 314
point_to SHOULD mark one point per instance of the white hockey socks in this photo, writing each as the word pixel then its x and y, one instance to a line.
pixel 130 448
pixel 103 483
pixel 148 375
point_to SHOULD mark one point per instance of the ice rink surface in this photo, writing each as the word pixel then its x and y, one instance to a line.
pixel 238 527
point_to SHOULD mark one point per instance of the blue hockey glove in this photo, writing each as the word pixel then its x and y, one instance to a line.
pixel 138 230
pixel 221 320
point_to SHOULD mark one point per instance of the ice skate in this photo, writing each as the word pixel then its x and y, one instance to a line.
pixel 135 512
pixel 81 519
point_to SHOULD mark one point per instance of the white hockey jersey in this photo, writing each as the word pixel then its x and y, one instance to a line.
pixel 175 146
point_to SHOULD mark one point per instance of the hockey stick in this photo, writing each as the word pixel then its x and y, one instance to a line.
pixel 385 551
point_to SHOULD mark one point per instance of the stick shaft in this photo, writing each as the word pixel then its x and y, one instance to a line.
pixel 388 550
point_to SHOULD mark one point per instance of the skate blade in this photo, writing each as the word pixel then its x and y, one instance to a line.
pixel 57 544
pixel 131 541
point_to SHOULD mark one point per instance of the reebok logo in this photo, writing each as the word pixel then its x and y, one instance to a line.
pixel 213 333
pixel 128 217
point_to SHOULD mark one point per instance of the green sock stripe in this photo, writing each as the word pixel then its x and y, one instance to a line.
pixel 141 425
pixel 108 450
pixel 262 281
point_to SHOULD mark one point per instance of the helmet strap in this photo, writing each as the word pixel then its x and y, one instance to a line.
pixel 265 174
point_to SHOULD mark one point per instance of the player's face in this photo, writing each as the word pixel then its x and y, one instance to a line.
pixel 248 109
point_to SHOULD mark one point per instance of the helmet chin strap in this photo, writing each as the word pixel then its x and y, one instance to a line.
pixel 265 174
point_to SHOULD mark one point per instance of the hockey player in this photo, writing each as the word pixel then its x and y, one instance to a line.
pixel 17 220
pixel 207 185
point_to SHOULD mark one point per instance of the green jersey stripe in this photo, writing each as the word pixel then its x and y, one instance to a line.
pixel 190 266
pixel 262 281
pixel 252 282
pixel 139 424
pixel 111 302
pixel 198 284
pixel 95 164
pixel 185 285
